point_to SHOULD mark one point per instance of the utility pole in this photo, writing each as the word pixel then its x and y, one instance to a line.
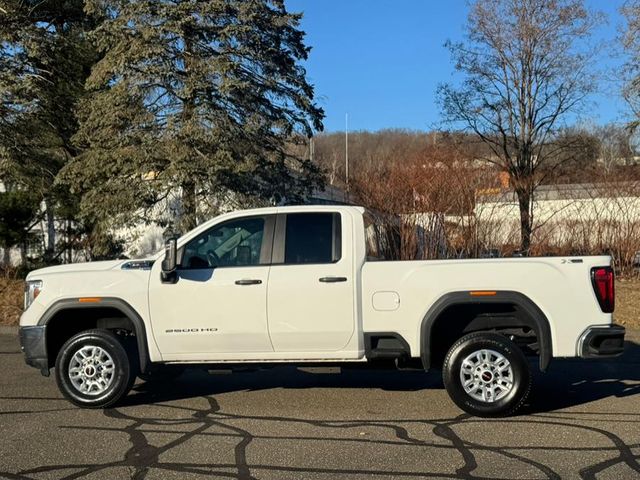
pixel 346 152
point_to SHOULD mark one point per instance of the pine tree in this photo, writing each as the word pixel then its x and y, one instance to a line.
pixel 45 58
pixel 193 96
pixel 18 210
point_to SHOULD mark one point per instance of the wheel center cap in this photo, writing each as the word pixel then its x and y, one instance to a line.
pixel 487 376
pixel 89 371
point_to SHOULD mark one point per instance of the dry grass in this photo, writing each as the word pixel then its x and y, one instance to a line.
pixel 11 300
pixel 627 302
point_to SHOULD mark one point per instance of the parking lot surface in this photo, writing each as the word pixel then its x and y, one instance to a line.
pixel 582 421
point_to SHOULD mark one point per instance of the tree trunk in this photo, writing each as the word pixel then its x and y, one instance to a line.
pixel 524 203
pixel 51 230
pixel 189 204
pixel 69 243
pixel 23 252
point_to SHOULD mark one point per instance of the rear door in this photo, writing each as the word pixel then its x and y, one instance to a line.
pixel 310 293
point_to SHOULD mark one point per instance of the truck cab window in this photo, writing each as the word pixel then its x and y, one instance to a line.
pixel 232 244
pixel 312 238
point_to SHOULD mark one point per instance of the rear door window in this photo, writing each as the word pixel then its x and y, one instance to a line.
pixel 312 238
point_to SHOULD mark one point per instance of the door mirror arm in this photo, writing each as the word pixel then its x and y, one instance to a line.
pixel 169 264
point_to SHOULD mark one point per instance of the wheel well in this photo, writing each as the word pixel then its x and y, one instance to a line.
pixel 68 322
pixel 456 320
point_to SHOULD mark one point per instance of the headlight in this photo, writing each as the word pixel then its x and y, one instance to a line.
pixel 32 289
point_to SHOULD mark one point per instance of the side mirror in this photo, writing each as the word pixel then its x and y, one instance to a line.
pixel 168 274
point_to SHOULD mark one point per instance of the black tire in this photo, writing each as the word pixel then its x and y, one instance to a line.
pixel 116 384
pixel 489 375
pixel 162 373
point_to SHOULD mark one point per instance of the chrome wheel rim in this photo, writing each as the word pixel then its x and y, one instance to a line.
pixel 486 376
pixel 91 370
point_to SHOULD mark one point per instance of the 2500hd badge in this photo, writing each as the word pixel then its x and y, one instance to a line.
pixel 191 330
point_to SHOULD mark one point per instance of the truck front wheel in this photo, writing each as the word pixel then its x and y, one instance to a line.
pixel 93 369
pixel 486 375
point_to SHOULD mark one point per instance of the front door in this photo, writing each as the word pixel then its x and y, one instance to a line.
pixel 218 304
pixel 311 284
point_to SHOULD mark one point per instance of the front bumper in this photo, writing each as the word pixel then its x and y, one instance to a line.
pixel 33 342
pixel 599 342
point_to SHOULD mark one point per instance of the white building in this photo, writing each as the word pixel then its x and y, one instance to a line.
pixel 576 214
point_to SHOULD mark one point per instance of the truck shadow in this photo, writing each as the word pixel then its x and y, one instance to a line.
pixel 567 383
pixel 575 382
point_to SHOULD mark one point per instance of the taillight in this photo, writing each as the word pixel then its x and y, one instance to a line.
pixel 603 286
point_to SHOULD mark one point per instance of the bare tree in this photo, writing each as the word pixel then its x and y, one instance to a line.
pixel 526 66
pixel 422 200
pixel 631 71
pixel 615 146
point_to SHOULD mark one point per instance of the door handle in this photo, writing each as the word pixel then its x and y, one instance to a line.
pixel 248 282
pixel 333 279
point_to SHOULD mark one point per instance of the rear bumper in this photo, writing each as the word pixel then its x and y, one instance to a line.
pixel 34 345
pixel 601 342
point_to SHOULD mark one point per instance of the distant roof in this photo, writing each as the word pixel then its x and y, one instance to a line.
pixel 569 191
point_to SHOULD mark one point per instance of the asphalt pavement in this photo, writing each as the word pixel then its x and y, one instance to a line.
pixel 581 422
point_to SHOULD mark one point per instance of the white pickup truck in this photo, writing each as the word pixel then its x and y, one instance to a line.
pixel 296 285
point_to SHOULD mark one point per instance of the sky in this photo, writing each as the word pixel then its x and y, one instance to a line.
pixel 381 61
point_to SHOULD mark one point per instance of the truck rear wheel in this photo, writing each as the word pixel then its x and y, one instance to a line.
pixel 93 369
pixel 486 375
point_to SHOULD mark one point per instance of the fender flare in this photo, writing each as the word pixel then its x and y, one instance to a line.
pixel 106 302
pixel 541 323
